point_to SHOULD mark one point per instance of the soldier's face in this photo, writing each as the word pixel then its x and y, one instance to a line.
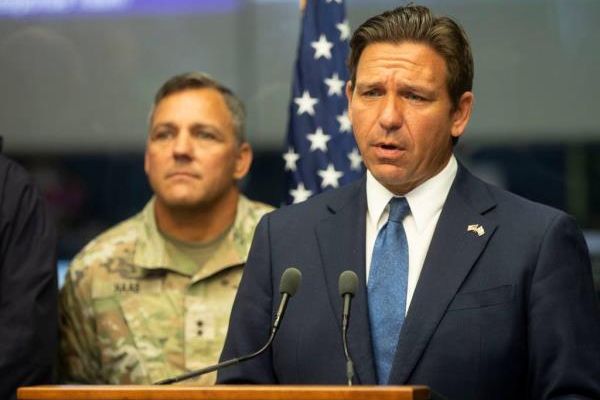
pixel 193 158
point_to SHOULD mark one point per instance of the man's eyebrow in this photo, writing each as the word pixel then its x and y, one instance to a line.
pixel 403 87
pixel 166 124
pixel 202 125
pixel 365 85
pixel 416 88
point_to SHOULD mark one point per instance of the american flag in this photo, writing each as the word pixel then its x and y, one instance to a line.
pixel 321 152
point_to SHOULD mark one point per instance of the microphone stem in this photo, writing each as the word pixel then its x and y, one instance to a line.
pixel 349 363
pixel 288 285
pixel 220 365
pixel 280 311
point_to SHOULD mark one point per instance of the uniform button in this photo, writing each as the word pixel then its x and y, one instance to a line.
pixel 200 323
pixel 199 333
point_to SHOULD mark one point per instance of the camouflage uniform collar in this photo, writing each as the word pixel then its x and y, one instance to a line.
pixel 151 253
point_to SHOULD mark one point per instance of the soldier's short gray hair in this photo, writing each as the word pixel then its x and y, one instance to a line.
pixel 200 80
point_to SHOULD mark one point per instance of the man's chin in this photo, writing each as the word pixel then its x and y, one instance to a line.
pixel 190 200
pixel 395 181
pixel 389 174
pixel 177 203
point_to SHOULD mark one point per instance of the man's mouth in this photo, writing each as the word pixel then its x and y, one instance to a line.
pixel 388 150
pixel 388 146
pixel 183 174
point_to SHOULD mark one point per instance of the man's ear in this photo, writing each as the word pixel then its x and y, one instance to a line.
pixel 146 161
pixel 462 114
pixel 349 92
pixel 243 161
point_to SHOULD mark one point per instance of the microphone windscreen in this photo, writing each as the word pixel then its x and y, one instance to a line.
pixel 290 280
pixel 348 283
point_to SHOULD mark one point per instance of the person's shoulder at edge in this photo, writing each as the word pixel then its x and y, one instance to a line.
pixel 13 174
pixel 104 247
pixel 254 208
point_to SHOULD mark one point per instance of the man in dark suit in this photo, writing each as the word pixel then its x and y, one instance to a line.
pixel 494 298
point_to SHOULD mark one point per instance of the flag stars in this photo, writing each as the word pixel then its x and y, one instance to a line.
pixel 306 104
pixel 300 193
pixel 355 160
pixel 320 129
pixel 334 85
pixel 290 159
pixel 344 121
pixel 318 140
pixel 330 177
pixel 344 28
pixel 322 47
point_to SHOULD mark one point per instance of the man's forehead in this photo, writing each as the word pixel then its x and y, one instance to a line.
pixel 191 94
pixel 201 102
pixel 405 60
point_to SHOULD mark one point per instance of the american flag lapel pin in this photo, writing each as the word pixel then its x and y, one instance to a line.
pixel 477 229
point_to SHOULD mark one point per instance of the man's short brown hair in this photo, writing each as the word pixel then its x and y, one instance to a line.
pixel 200 80
pixel 417 24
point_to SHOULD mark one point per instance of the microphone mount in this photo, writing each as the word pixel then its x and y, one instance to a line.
pixel 348 283
pixel 288 285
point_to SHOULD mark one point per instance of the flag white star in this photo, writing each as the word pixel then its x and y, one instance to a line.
pixel 344 121
pixel 306 104
pixel 322 47
pixel 334 84
pixel 300 193
pixel 290 159
pixel 318 140
pixel 344 28
pixel 330 177
pixel 337 1
pixel 355 159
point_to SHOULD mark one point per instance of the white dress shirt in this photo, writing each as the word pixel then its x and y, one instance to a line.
pixel 426 202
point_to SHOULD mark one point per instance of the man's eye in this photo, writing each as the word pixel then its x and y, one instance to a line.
pixel 371 93
pixel 162 135
pixel 414 97
pixel 203 135
pixel 206 135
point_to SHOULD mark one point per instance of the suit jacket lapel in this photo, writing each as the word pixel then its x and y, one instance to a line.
pixel 452 253
pixel 341 238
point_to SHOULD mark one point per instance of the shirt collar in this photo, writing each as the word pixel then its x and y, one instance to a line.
pixel 425 200
pixel 150 251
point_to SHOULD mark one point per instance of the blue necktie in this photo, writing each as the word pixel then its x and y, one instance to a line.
pixel 387 285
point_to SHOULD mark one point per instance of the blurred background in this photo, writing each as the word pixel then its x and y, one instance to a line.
pixel 77 78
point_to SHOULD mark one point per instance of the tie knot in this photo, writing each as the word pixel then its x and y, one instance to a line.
pixel 399 209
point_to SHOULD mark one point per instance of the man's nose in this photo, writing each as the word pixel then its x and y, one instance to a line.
pixel 183 145
pixel 390 118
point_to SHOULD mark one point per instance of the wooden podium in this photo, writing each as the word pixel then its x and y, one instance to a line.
pixel 223 392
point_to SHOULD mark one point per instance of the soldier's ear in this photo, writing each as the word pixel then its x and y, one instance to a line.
pixel 243 161
pixel 146 161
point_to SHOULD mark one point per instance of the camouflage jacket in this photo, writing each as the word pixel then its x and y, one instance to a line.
pixel 129 316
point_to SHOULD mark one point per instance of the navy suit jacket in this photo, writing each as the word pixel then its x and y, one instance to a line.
pixel 509 314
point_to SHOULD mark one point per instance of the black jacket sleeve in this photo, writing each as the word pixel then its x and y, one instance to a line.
pixel 28 286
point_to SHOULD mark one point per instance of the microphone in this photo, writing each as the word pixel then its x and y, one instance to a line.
pixel 288 285
pixel 348 283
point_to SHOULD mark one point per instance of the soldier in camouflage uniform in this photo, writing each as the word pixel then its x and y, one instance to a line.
pixel 151 297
